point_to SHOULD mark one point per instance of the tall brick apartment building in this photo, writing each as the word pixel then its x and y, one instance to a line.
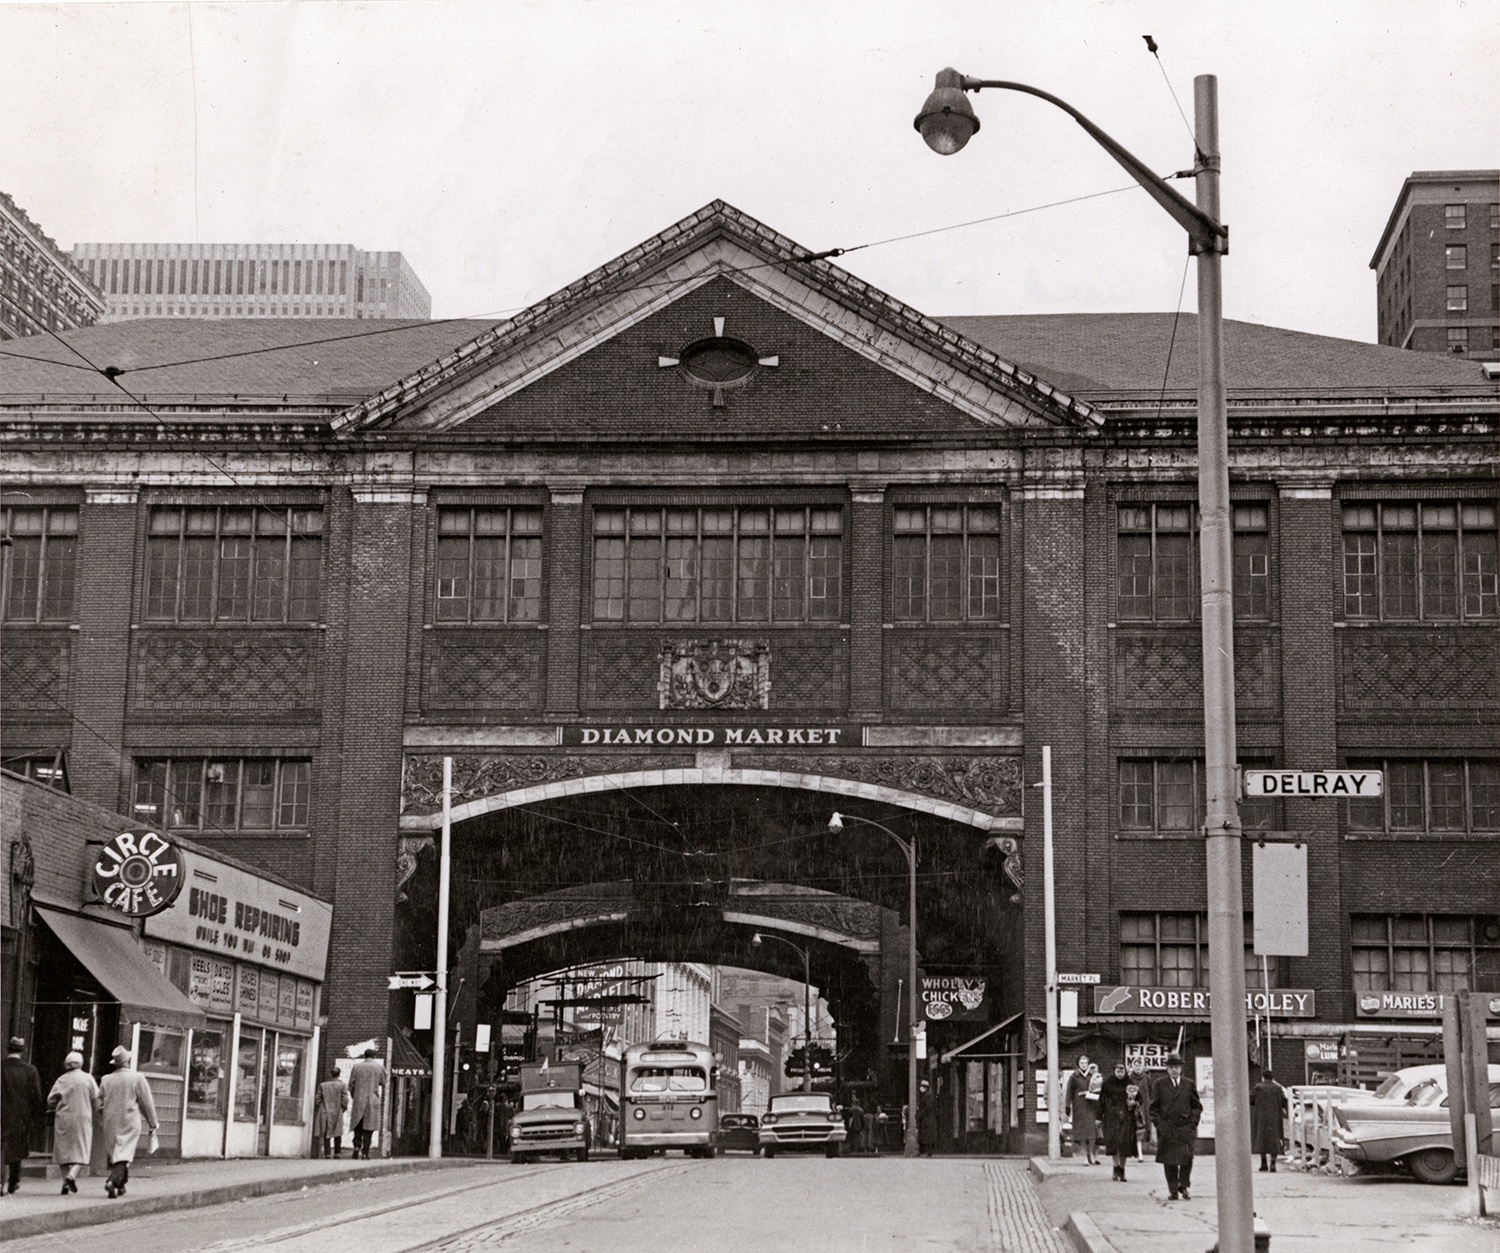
pixel 718 540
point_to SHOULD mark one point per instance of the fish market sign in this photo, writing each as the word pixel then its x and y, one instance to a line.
pixel 138 873
pixel 757 735
pixel 953 998
pixel 1195 1002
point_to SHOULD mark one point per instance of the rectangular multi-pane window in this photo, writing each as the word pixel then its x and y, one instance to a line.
pixel 224 795
pixel 718 565
pixel 50 769
pixel 207 564
pixel 489 565
pixel 1166 796
pixel 1455 216
pixel 1433 560
pixel 1458 297
pixel 1425 952
pixel 946 563
pixel 40 554
pixel 1458 339
pixel 1456 256
pixel 1157 562
pixel 1161 950
pixel 1431 796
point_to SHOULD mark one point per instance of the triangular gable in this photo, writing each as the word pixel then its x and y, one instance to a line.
pixel 717 243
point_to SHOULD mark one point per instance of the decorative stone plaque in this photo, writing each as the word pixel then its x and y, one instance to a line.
pixel 715 674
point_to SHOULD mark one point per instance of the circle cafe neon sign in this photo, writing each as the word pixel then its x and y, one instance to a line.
pixel 138 873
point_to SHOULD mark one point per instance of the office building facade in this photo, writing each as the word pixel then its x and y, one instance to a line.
pixel 40 289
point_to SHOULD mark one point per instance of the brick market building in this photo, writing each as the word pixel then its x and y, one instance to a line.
pixel 718 540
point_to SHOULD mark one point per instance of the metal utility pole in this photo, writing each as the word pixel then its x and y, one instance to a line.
pixel 440 997
pixel 1049 909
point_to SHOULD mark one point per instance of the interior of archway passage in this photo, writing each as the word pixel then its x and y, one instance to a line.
pixel 689 873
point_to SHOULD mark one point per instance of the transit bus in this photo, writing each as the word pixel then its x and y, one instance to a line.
pixel 669 1099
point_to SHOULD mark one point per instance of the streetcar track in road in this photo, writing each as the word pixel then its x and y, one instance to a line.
pixel 485 1235
pixel 354 1216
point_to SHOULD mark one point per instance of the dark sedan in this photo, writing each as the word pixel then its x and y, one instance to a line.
pixel 739 1133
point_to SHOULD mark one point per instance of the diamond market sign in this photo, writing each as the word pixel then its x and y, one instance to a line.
pixel 138 874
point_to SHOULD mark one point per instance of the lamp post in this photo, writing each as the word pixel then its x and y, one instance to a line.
pixel 947 122
pixel 757 939
pixel 909 847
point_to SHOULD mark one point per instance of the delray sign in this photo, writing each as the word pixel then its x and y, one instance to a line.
pixel 1130 1000
pixel 1330 784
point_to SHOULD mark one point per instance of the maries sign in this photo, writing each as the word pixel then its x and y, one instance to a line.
pixel 138 873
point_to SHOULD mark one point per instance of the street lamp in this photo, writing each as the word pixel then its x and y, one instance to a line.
pixel 757 940
pixel 909 847
pixel 947 122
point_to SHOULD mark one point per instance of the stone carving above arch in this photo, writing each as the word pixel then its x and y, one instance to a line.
pixel 475 778
pixel 989 783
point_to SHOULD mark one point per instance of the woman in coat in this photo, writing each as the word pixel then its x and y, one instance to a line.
pixel 1267 1110
pixel 74 1099
pixel 328 1116
pixel 1082 1104
pixel 124 1104
pixel 1117 1108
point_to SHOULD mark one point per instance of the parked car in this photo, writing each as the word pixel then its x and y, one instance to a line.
pixel 739 1133
pixel 1408 1126
pixel 802 1120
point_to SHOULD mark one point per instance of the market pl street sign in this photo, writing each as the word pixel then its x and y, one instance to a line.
pixel 418 979
pixel 1077 978
pixel 1338 784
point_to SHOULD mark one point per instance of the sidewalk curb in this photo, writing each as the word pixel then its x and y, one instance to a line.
pixel 20 1227
pixel 1085 1234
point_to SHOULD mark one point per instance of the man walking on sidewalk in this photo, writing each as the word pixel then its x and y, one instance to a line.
pixel 366 1089
pixel 21 1106
pixel 1176 1109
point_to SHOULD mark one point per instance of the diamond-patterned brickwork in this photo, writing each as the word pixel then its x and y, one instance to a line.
pixel 928 669
pixel 811 671
pixel 484 669
pixel 1162 670
pixel 225 670
pixel 622 670
pixel 37 665
pixel 1420 668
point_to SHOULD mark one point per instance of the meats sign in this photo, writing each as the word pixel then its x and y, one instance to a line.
pixel 953 998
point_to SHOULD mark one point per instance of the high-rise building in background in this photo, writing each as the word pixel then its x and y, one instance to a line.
pixel 1437 266
pixel 252 281
pixel 39 287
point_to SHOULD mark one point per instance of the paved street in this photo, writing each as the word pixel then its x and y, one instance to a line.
pixel 660 1206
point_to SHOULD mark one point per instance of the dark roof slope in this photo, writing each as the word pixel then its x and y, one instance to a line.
pixel 1096 356
pixel 341 359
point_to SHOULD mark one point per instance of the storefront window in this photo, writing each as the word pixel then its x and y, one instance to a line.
pixel 205 1091
pixel 291 1053
pixel 247 1078
pixel 160 1052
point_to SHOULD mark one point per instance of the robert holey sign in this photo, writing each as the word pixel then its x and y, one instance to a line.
pixel 1342 784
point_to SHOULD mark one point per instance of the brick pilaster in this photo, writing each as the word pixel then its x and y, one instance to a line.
pixel 565 568
pixel 867 603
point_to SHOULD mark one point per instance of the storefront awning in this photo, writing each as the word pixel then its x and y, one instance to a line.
pixel 983 1035
pixel 113 957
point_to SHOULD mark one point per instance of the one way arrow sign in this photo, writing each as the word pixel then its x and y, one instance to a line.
pixel 418 979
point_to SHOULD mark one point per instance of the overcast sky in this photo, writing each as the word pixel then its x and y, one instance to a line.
pixel 507 147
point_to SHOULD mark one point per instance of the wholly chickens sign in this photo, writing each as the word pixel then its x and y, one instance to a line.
pixel 953 998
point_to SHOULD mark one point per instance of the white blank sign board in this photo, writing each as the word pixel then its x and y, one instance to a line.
pixel 1280 889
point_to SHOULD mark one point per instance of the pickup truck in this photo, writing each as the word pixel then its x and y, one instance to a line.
pixel 552 1118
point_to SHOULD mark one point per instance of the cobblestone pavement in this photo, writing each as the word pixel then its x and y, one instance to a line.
pixel 1018 1223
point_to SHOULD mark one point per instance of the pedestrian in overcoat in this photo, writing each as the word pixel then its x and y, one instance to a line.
pixel 366 1090
pixel 74 1100
pixel 927 1120
pixel 854 1122
pixel 1176 1109
pixel 1117 1109
pixel 125 1106
pixel 1081 1100
pixel 21 1107
pixel 1142 1084
pixel 1267 1110
pixel 328 1116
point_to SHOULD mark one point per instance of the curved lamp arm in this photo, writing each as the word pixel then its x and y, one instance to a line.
pixel 947 122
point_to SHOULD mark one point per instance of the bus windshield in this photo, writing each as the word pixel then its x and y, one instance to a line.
pixel 669 1079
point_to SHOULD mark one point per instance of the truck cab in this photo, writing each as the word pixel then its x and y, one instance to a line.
pixel 552 1118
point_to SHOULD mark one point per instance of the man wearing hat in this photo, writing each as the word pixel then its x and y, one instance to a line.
pixel 1176 1109
pixel 21 1106
pixel 124 1102
pixel 366 1093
